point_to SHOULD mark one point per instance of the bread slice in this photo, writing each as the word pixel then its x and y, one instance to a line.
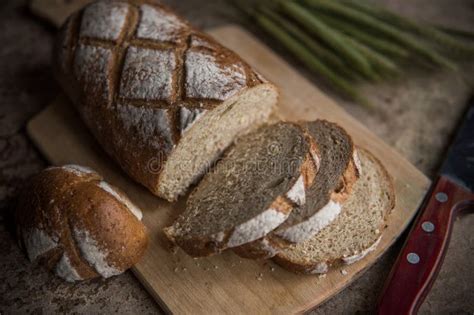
pixel 250 192
pixel 355 232
pixel 163 99
pixel 332 185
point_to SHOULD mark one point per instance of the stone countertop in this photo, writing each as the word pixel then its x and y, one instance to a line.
pixel 417 116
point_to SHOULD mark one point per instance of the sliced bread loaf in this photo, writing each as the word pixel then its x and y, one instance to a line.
pixel 355 232
pixel 250 192
pixel 162 98
pixel 338 171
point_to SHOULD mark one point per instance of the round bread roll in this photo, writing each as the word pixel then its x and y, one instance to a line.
pixel 81 227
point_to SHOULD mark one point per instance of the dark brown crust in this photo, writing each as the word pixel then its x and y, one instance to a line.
pixel 348 180
pixel 309 268
pixel 309 169
pixel 264 248
pixel 257 249
pixel 141 161
pixel 57 201
pixel 293 267
pixel 207 246
pixel 268 246
pixel 199 247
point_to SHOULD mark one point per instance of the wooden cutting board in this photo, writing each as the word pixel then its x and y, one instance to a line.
pixel 226 283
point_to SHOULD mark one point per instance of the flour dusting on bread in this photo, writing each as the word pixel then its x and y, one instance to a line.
pixel 313 225
pixel 297 193
pixel 131 64
pixel 94 254
pixel 148 74
pixel 348 260
pixel 37 242
pixel 257 227
pixel 152 126
pixel 104 20
pixel 159 25
pixel 66 270
pixel 92 68
pixel 189 116
pixel 78 169
pixel 120 197
pixel 206 77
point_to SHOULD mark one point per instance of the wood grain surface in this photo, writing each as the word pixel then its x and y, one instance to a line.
pixel 226 283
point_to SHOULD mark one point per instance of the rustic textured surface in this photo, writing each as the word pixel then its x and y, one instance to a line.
pixel 416 116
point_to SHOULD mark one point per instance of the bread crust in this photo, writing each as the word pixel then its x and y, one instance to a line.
pixel 324 266
pixel 274 242
pixel 135 70
pixel 271 218
pixel 278 211
pixel 66 219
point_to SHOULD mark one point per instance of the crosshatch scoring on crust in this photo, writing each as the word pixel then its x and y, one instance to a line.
pixel 147 74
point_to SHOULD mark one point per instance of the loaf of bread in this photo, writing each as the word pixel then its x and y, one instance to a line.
pixel 78 225
pixel 250 192
pixel 355 232
pixel 163 99
pixel 339 169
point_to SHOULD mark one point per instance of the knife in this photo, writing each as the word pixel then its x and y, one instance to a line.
pixel 419 262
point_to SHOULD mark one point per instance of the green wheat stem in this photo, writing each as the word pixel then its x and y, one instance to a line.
pixel 305 56
pixel 382 28
pixel 431 33
pixel 317 49
pixel 329 36
pixel 378 60
pixel 457 33
pixel 381 45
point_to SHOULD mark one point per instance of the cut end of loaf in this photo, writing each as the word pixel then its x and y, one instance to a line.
pixel 203 143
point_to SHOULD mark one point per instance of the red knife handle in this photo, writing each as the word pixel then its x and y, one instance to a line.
pixel 418 264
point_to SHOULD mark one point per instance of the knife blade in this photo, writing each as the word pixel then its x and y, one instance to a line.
pixel 422 255
pixel 459 163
